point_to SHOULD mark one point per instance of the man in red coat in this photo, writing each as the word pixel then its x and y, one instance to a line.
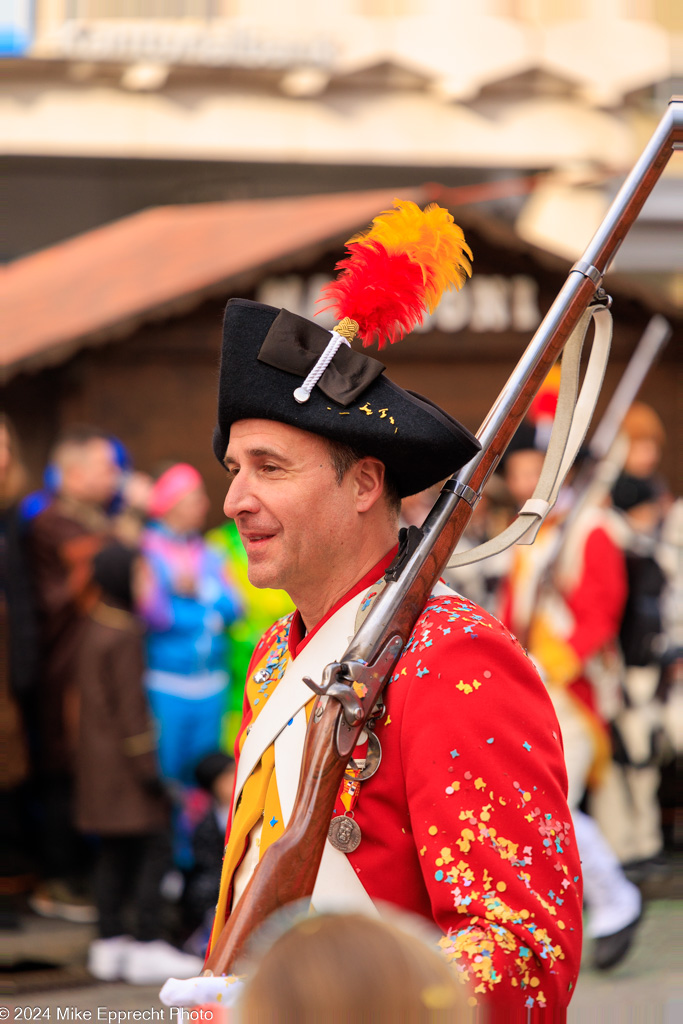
pixel 465 820
pixel 569 609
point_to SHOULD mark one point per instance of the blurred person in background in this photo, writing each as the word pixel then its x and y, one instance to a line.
pixel 186 603
pixel 260 608
pixel 63 539
pixel 18 676
pixel 568 615
pixel 478 581
pixel 37 501
pixel 626 804
pixel 120 796
pixel 348 967
pixel 646 439
pixel 131 516
pixel 215 773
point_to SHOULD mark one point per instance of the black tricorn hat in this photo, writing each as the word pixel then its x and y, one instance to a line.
pixel 268 352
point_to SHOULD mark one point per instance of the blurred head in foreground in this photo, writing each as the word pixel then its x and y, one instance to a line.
pixel 352 968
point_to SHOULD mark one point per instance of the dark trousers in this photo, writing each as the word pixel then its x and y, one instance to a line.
pixel 128 877
pixel 66 854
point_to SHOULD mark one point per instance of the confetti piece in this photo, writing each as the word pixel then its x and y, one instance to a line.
pixel 526 745
pixel 454 753
pixel 432 830
pixel 490 740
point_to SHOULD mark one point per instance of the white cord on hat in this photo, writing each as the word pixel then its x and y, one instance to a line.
pixel 303 393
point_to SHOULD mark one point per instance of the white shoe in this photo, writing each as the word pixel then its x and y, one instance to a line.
pixel 106 956
pixel 151 963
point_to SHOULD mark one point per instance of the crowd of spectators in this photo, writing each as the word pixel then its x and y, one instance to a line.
pixel 117 700
pixel 126 638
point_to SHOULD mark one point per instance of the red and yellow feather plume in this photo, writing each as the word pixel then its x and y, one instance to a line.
pixel 398 270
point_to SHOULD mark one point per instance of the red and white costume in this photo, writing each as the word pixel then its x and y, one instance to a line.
pixel 466 822
pixel 572 624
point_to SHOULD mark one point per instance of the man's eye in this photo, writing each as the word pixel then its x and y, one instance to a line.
pixel 268 468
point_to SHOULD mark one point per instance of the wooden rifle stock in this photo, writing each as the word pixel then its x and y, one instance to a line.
pixel 291 864
pixel 288 869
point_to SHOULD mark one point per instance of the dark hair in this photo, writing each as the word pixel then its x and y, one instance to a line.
pixel 344 456
pixel 112 571
pixel 210 767
pixel 77 436
pixel 630 491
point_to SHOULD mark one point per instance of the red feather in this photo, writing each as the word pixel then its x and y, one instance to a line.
pixel 381 291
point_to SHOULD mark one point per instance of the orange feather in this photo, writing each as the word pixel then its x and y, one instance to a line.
pixel 399 269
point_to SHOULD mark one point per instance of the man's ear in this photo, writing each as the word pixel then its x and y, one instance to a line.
pixel 368 475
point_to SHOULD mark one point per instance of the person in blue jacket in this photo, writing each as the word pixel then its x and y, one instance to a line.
pixel 186 604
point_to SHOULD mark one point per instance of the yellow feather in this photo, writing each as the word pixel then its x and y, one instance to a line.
pixel 429 237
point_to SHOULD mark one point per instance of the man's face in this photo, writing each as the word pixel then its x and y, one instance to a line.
pixel 522 470
pixel 90 473
pixel 643 457
pixel 189 514
pixel 294 519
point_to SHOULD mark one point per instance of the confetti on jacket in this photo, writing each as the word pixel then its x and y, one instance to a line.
pixel 466 822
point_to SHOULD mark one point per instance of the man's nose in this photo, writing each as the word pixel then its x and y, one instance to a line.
pixel 240 497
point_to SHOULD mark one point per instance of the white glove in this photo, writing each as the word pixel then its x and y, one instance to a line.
pixel 196 991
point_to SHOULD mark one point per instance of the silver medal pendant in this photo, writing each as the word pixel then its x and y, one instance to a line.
pixel 344 834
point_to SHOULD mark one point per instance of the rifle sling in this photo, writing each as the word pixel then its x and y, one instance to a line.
pixel 570 425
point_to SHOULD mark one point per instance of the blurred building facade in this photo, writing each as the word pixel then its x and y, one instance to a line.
pixel 524 114
pixel 121 326
pixel 112 106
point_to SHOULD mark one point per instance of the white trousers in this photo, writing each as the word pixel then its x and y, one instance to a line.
pixel 613 902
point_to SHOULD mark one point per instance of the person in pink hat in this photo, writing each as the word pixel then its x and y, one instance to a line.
pixel 187 602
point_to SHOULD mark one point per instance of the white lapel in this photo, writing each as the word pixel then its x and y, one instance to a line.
pixel 291 696
pixel 337 886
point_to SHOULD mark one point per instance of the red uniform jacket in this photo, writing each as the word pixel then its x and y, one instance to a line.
pixel 592 576
pixel 466 821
